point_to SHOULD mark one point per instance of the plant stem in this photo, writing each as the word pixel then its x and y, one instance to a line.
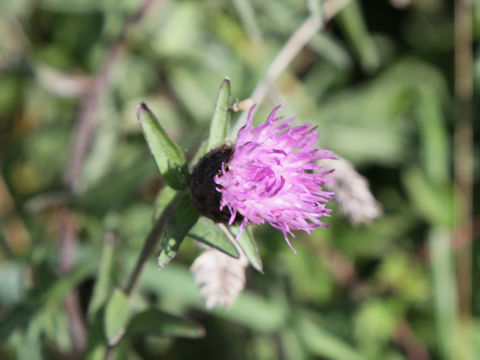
pixel 148 247
pixel 151 242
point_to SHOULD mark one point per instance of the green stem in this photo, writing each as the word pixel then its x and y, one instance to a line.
pixel 151 242
pixel 148 247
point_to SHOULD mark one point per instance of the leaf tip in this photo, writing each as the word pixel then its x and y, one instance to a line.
pixel 141 109
pixel 162 263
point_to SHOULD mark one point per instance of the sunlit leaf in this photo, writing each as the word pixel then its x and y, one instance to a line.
pixel 209 233
pixel 220 118
pixel 167 155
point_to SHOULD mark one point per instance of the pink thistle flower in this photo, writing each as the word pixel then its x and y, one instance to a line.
pixel 273 175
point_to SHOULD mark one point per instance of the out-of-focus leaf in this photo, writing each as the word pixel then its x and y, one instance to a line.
pixel 435 202
pixel 249 247
pixel 321 343
pixel 117 314
pixel 475 335
pixel 257 312
pixel 209 233
pixel 103 285
pixel 96 345
pixel 353 24
pixel 30 349
pixel 294 348
pixel 184 218
pixel 189 88
pixel 13 278
pixel 159 323
pixel 50 298
pixel 99 158
pixel 404 276
pixel 375 324
pixel 247 15
pixel 220 118
pixel 329 48
pixel 167 155
pixel 433 134
pixel 57 328
pixel 16 318
pixel 368 122
pixel 64 285
pixel 114 189
pixel 179 29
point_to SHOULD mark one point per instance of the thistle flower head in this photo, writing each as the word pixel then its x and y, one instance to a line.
pixel 274 176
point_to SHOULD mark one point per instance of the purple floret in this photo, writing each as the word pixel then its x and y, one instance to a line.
pixel 274 176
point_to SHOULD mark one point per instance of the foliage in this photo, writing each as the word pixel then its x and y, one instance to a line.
pixel 80 191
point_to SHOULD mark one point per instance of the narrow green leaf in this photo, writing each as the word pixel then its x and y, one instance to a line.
pixel 184 218
pixel 167 155
pixel 159 323
pixel 433 134
pixel 249 247
pixel 117 313
pixel 352 22
pixel 220 118
pixel 209 233
pixel 321 343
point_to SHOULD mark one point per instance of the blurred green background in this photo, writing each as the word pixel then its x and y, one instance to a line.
pixel 78 184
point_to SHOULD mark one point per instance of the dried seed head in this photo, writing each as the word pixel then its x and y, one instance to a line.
pixel 353 194
pixel 220 277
